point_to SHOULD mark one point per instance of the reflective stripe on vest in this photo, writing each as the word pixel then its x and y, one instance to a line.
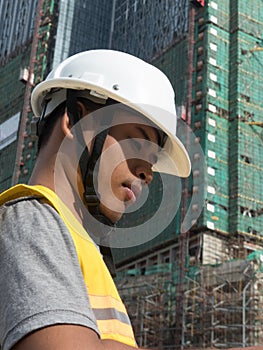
pixel 110 313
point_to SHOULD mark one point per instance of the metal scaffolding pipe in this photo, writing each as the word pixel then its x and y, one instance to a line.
pixel 244 314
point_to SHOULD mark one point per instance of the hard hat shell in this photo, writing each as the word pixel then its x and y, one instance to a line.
pixel 128 80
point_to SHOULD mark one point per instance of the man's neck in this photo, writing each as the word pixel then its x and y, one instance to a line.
pixel 60 184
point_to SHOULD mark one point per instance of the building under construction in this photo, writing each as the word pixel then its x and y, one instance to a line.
pixel 197 285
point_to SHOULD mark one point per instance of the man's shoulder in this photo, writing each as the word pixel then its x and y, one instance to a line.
pixel 25 200
pixel 30 210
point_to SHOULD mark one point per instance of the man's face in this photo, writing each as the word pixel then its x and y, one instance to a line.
pixel 129 152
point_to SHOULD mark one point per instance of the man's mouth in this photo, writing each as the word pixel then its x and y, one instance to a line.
pixel 132 191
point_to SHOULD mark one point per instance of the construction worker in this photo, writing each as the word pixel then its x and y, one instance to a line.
pixel 106 119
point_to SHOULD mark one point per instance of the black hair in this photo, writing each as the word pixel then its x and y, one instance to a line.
pixel 47 125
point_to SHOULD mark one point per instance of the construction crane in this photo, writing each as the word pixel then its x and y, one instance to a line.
pixel 255 123
pixel 254 49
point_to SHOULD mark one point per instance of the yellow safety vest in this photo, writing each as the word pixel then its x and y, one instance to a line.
pixel 110 312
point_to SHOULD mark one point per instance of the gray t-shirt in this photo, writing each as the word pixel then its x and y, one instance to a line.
pixel 41 283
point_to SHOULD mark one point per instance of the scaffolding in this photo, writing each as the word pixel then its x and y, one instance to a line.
pixel 166 23
pixel 40 58
pixel 222 305
pixel 151 307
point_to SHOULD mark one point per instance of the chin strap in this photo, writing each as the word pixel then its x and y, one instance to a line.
pixel 87 164
pixel 89 173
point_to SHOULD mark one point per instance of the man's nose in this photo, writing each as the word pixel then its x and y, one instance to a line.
pixel 144 172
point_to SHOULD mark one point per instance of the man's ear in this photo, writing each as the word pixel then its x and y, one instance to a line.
pixel 65 125
pixel 65 121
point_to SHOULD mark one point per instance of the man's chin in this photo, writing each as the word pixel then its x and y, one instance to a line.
pixel 111 215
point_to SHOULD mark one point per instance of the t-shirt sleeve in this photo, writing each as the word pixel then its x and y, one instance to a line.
pixel 41 283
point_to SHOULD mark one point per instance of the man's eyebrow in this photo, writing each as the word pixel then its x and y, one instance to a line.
pixel 145 134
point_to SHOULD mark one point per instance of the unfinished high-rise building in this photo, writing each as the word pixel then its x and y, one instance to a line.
pixel 198 287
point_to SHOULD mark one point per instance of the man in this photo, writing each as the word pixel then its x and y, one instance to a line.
pixel 105 119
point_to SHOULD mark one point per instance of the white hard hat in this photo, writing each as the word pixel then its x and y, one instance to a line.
pixel 127 79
